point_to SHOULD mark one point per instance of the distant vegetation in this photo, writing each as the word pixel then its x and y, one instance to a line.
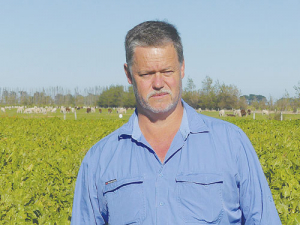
pixel 40 157
pixel 211 95
pixel 216 95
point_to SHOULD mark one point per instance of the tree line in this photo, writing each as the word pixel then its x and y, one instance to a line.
pixel 54 96
pixel 212 95
pixel 217 95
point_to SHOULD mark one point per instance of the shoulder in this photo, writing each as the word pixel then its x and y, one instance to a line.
pixel 102 151
pixel 108 142
pixel 222 132
pixel 107 145
pixel 213 125
pixel 216 124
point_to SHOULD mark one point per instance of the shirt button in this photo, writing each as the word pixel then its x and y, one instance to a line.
pixel 160 175
pixel 161 203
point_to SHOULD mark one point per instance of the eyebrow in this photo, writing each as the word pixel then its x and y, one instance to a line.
pixel 153 71
pixel 168 68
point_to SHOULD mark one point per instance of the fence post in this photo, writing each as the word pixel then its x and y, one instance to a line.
pixel 254 115
pixel 281 118
pixel 75 114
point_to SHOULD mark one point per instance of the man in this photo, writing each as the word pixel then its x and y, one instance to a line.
pixel 169 164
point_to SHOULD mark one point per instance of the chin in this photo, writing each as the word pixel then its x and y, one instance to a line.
pixel 164 109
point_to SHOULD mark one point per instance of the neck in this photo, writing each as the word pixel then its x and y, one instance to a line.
pixel 160 129
pixel 160 124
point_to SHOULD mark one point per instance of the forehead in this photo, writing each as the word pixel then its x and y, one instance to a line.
pixel 155 54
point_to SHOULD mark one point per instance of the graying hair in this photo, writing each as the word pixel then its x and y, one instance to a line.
pixel 152 34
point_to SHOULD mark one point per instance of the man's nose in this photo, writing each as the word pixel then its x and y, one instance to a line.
pixel 158 81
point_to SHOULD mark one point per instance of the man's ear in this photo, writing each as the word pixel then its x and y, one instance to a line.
pixel 128 74
pixel 182 69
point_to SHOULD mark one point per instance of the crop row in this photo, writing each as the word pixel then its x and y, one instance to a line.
pixel 39 161
pixel 40 158
pixel 277 144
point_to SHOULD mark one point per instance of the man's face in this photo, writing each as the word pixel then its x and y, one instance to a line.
pixel 156 76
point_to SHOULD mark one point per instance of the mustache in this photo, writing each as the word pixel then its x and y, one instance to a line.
pixel 152 93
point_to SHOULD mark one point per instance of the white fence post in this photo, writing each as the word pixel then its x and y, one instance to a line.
pixel 75 114
pixel 281 118
pixel 254 115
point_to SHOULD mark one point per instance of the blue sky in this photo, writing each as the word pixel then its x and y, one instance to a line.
pixel 254 45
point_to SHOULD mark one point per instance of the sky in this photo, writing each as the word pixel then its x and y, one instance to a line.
pixel 254 45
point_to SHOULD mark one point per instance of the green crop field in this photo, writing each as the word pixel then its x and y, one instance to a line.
pixel 40 155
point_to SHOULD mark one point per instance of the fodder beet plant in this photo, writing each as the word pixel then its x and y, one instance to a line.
pixel 40 158
pixel 39 161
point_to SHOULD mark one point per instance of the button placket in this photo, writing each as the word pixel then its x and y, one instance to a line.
pixel 161 197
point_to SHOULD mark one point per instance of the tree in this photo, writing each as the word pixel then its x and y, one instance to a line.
pixel 5 97
pixel 91 99
pixel 262 103
pixel 59 99
pixel 297 99
pixel 41 99
pixel 112 97
pixel 69 100
pixel 228 96
pixel 208 98
pixel 129 98
pixel 12 98
pixel 297 89
pixel 283 104
pixel 190 95
pixel 256 101
pixel 24 98
pixel 243 104
pixel 270 103
pixel 79 100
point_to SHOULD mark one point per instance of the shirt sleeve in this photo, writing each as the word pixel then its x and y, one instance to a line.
pixel 87 208
pixel 256 199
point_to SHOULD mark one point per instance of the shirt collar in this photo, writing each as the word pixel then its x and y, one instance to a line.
pixel 192 122
pixel 195 121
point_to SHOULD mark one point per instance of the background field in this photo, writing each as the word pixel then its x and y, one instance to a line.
pixel 40 156
pixel 105 115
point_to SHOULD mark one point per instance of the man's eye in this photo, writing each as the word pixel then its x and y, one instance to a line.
pixel 168 72
pixel 146 74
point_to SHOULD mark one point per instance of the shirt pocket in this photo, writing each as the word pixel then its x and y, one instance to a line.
pixel 200 197
pixel 125 201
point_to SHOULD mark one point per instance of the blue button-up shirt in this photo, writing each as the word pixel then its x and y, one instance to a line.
pixel 211 175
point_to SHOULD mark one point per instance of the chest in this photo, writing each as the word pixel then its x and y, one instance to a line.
pixel 187 187
pixel 161 148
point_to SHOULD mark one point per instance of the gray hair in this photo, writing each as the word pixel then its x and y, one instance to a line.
pixel 152 34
